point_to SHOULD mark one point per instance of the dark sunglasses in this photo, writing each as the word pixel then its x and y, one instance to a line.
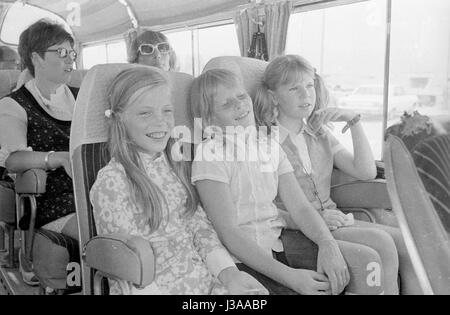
pixel 149 49
pixel 63 53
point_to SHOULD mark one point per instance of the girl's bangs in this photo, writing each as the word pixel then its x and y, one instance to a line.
pixel 294 71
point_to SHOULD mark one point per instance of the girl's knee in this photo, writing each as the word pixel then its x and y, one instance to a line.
pixel 384 244
pixel 361 257
pixel 366 270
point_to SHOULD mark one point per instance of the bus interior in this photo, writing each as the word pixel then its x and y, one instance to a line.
pixel 387 59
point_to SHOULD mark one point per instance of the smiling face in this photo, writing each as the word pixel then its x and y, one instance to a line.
pixel 233 107
pixel 148 119
pixel 296 99
pixel 51 66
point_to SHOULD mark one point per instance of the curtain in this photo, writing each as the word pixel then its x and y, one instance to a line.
pixel 129 37
pixel 246 25
pixel 79 50
pixel 275 22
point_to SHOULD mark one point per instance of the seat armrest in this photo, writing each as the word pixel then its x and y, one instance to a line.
pixel 124 257
pixel 32 181
pixel 371 194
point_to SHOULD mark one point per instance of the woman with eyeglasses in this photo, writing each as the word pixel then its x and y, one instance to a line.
pixel 35 127
pixel 152 49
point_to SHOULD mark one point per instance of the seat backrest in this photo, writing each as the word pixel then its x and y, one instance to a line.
pixel 9 78
pixel 426 238
pixel 251 71
pixel 432 159
pixel 8 81
pixel 89 135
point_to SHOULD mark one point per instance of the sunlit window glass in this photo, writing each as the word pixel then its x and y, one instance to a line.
pixel 217 41
pixel 181 43
pixel 420 60
pixel 116 52
pixel 94 55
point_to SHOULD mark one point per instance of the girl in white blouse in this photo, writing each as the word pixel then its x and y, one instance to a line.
pixel 238 188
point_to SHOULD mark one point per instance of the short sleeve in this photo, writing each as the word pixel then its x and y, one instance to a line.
pixel 10 108
pixel 335 145
pixel 209 164
pixel 13 129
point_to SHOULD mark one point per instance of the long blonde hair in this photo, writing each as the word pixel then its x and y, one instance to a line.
pixel 280 71
pixel 145 192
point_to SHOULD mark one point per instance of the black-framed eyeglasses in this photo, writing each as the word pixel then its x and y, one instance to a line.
pixel 64 52
pixel 149 49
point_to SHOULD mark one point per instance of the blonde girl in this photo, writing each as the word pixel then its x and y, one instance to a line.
pixel 293 97
pixel 143 192
pixel 238 196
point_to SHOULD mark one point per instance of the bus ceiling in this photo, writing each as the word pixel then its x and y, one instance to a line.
pixel 92 21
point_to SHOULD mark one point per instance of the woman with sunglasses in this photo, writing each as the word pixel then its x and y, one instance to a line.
pixel 152 49
pixel 35 126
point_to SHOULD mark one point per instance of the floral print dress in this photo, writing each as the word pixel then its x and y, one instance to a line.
pixel 187 250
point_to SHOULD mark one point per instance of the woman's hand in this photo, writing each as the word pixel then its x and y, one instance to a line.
pixel 308 282
pixel 331 262
pixel 334 219
pixel 241 283
pixel 61 159
pixel 332 114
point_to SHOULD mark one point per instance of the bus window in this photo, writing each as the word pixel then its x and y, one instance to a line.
pixel 216 41
pixel 116 52
pixel 347 46
pixel 194 48
pixel 181 42
pixel 94 55
pixel 420 56
pixel 112 52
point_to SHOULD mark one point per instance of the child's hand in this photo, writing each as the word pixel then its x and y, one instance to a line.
pixel 331 262
pixel 241 283
pixel 332 114
pixel 308 282
pixel 334 219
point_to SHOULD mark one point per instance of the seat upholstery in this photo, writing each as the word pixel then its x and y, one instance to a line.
pixel 52 252
pixel 433 165
pixel 8 81
pixel 7 203
pixel 422 224
pixel 89 153
pixel 250 70
pixel 9 78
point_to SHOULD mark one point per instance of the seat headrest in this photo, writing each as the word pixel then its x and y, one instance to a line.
pixel 250 70
pixel 13 79
pixel 89 124
pixel 8 81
